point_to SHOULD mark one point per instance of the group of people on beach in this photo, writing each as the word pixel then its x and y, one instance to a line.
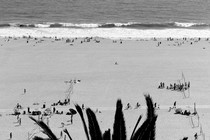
pixel 65 102
pixel 175 86
pixel 181 111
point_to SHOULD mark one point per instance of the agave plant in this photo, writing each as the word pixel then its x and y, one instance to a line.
pixel 145 132
pixel 46 130
pixel 93 132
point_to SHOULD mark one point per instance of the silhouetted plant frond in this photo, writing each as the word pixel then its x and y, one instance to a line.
pixel 150 107
pixel 147 129
pixel 134 130
pixel 94 129
pixel 46 129
pixel 107 135
pixel 150 131
pixel 67 133
pixel 79 110
pixel 145 132
pixel 119 130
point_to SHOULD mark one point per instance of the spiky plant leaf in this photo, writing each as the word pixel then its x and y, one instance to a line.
pixel 147 129
pixel 94 129
pixel 150 130
pixel 67 132
pixel 107 135
pixel 134 130
pixel 45 128
pixel 119 130
pixel 79 110
pixel 150 107
pixel 151 114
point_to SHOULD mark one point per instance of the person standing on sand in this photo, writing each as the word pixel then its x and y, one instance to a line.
pixel 174 105
pixel 83 106
pixel 47 121
pixel 155 105
pixel 19 121
pixel 61 134
pixel 24 91
pixel 10 135
pixel 71 119
pixel 196 136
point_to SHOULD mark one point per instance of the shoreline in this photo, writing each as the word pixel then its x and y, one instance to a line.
pixel 111 33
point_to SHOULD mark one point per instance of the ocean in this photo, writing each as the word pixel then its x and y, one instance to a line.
pixel 105 18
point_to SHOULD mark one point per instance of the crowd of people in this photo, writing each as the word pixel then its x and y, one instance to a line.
pixel 175 86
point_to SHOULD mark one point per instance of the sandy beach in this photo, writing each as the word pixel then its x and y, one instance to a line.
pixel 105 70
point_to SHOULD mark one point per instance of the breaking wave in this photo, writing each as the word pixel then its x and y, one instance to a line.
pixel 110 25
pixel 130 30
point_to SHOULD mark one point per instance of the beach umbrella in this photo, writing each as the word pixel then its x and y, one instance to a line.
pixel 72 111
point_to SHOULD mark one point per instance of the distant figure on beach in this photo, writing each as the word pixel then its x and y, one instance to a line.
pixel 29 110
pixel 43 106
pixel 18 106
pixel 137 105
pixel 62 124
pixel 48 121
pixel 71 119
pixel 155 105
pixel 10 135
pixel 128 106
pixel 61 134
pixel 169 110
pixel 54 109
pixel 185 138
pixel 24 91
pixel 162 85
pixel 188 84
pixel 174 105
pixel 196 136
pixel 83 106
pixel 186 112
pixel 19 121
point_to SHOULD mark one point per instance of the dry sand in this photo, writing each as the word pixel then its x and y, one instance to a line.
pixel 41 66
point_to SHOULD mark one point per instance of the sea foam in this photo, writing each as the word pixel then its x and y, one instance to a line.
pixel 115 33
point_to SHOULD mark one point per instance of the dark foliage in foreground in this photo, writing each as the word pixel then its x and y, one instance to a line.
pixel 144 132
pixel 46 130
pixel 119 130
